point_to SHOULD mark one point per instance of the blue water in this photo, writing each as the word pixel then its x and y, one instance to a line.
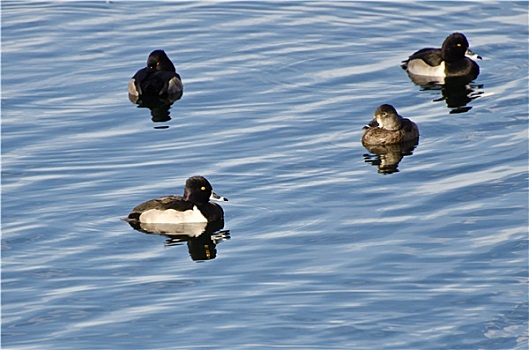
pixel 322 248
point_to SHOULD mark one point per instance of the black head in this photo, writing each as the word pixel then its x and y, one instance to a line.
pixel 198 190
pixel 159 60
pixel 454 47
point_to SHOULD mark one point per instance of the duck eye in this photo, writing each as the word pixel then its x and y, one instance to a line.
pixel 203 188
pixel 458 45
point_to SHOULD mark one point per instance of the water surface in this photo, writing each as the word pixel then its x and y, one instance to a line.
pixel 320 249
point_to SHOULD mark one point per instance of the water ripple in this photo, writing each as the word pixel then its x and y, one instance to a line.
pixel 323 246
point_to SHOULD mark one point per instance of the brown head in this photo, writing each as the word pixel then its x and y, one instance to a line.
pixel 388 118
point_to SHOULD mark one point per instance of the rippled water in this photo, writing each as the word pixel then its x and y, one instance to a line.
pixel 322 248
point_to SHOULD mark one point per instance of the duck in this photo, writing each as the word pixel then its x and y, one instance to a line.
pixel 158 78
pixel 193 207
pixel 452 60
pixel 388 127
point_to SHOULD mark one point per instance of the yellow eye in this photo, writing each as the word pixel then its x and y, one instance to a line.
pixel 458 45
pixel 203 188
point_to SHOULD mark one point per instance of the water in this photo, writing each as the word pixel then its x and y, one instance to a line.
pixel 321 249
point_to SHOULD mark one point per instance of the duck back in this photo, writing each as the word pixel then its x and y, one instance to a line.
pixel 378 136
pixel 153 82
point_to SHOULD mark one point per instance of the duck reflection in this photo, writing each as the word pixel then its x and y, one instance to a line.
pixel 388 157
pixel 457 96
pixel 201 238
pixel 158 106
pixel 456 92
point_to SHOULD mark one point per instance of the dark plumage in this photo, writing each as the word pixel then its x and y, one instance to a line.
pixel 159 78
pixel 193 206
pixel 389 128
pixel 449 61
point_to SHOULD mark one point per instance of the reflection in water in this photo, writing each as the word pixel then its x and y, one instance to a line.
pixel 458 96
pixel 456 92
pixel 388 157
pixel 159 106
pixel 201 238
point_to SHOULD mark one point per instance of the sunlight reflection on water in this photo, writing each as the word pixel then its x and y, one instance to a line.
pixel 322 246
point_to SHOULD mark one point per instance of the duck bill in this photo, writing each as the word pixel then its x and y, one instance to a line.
pixel 472 55
pixel 216 197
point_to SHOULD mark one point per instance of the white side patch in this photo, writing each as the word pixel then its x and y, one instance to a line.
pixel 174 86
pixel 171 216
pixel 194 229
pixel 132 88
pixel 419 67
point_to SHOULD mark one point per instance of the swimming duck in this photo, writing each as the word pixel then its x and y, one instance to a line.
pixel 450 61
pixel 193 207
pixel 389 128
pixel 159 78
